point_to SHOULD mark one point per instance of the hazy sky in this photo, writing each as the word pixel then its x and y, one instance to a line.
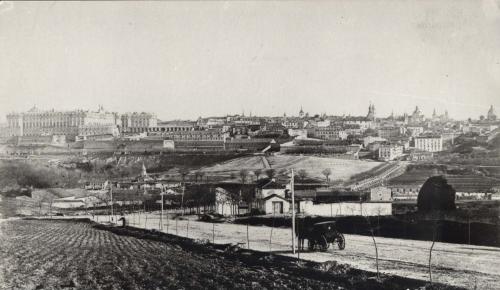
pixel 183 60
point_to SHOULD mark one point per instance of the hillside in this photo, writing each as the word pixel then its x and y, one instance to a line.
pixel 341 169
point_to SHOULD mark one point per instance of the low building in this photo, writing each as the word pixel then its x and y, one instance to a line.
pixel 405 191
pixel 274 204
pixel 97 130
pixel 363 122
pixel 330 133
pixel 71 202
pixel 198 135
pixel 370 139
pixel 415 130
pixel 419 155
pixel 270 188
pixel 387 152
pixel 380 193
pixel 301 133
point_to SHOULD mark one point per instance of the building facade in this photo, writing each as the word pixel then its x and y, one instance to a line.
pixel 46 123
pixel 429 143
pixel 330 133
pixel 387 152
pixel 389 132
pixel 138 122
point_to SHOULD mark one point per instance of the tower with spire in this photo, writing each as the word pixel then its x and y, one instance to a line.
pixel 491 114
pixel 371 112
pixel 301 112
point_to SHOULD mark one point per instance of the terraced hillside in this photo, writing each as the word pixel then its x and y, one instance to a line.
pixel 341 168
pixel 461 183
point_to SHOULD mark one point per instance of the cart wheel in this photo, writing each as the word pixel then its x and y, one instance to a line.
pixel 340 241
pixel 323 244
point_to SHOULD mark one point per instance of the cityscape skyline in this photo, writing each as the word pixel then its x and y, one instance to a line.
pixel 230 57
pixel 297 113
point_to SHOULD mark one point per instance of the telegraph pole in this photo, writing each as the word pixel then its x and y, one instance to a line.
pixel 161 214
pixel 293 213
pixel 111 193
pixel 182 198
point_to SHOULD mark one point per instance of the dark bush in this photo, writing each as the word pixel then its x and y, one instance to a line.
pixel 436 195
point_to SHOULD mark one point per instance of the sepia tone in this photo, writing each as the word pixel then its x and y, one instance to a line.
pixel 250 145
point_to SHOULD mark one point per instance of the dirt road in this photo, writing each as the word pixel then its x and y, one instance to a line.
pixel 474 267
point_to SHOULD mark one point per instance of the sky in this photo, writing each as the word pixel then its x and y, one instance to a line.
pixel 182 60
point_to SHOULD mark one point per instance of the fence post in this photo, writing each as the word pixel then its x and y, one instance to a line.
pixel 271 235
pixel 187 229
pixel 213 233
pixel 248 238
pixel 468 228
pixel 434 234
pixel 167 221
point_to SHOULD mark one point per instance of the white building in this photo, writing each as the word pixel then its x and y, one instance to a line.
pixel 138 122
pixel 370 139
pixel 429 143
pixel 274 204
pixel 389 152
pixel 98 129
pixel 415 130
pixel 380 193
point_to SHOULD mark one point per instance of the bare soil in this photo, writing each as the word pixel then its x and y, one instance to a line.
pixel 49 254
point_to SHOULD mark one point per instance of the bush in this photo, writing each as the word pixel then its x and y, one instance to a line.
pixel 436 195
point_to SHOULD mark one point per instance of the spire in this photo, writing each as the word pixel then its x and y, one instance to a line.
pixel 371 112
pixel 491 114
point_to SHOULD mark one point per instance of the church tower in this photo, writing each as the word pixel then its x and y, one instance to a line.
pixel 491 114
pixel 301 112
pixel 371 112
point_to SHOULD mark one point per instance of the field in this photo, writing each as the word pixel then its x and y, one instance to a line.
pixel 341 168
pixel 42 254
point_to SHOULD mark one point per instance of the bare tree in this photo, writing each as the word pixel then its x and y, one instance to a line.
pixel 183 172
pixel 257 173
pixel 327 172
pixel 302 174
pixel 434 236
pixel 243 175
pixel 201 174
pixel 374 244
pixel 271 173
pixel 44 198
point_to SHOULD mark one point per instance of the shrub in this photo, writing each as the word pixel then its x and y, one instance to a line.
pixel 436 195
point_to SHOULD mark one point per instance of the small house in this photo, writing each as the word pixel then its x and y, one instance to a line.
pixel 274 204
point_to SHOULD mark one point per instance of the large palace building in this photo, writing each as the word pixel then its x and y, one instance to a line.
pixel 45 123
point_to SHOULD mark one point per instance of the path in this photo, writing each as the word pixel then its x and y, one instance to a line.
pixel 455 264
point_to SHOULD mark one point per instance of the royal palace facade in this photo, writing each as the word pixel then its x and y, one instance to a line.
pixel 36 122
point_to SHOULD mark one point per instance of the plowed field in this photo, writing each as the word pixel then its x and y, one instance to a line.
pixel 37 254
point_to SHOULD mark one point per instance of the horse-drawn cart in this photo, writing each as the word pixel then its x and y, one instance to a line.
pixel 319 235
